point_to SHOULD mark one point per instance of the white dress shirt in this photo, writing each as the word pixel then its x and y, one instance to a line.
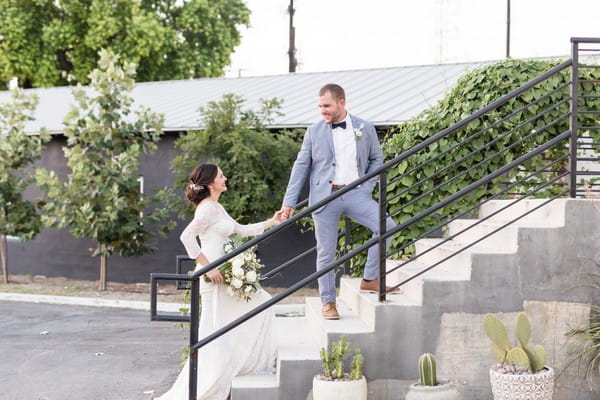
pixel 344 146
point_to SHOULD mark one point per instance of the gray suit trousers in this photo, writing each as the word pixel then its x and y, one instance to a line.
pixel 358 205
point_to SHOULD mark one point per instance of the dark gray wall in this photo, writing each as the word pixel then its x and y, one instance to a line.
pixel 57 253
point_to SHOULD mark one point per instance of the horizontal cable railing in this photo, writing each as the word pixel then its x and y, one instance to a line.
pixel 524 145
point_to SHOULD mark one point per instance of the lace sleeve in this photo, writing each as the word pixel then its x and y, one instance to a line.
pixel 202 219
pixel 247 230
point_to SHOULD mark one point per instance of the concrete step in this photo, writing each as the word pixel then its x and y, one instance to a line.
pixel 327 331
pixel 375 328
pixel 551 214
pixel 365 303
pixel 502 234
pixel 457 255
pixel 470 230
pixel 255 387
pixel 298 361
pixel 413 289
pixel 459 264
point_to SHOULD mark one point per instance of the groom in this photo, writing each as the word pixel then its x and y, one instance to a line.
pixel 335 152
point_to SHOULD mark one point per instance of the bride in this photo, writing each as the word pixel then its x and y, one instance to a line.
pixel 248 348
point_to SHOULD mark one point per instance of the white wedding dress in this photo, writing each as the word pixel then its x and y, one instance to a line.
pixel 246 349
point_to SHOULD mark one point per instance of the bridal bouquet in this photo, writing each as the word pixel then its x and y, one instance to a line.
pixel 241 273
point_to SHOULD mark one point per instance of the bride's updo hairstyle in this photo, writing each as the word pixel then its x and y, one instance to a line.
pixel 202 176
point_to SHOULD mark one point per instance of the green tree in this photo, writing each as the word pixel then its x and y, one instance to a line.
pixel 256 161
pixel 50 43
pixel 101 199
pixel 18 150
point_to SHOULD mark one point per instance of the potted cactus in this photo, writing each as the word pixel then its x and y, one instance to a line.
pixel 428 387
pixel 334 383
pixel 521 372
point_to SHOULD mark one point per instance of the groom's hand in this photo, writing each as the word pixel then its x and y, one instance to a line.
pixel 279 217
pixel 286 212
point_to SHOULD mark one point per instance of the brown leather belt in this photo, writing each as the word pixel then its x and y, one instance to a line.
pixel 337 186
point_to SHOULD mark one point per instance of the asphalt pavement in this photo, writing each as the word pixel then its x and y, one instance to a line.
pixel 69 352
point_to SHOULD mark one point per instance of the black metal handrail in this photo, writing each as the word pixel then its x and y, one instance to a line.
pixel 471 209
pixel 569 139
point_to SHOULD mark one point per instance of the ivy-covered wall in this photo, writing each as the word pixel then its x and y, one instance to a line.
pixel 530 119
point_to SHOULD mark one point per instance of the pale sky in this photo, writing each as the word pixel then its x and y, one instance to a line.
pixel 334 35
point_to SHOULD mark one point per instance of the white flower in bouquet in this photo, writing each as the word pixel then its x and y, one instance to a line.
pixel 237 271
pixel 236 283
pixel 251 276
pixel 241 273
pixel 238 261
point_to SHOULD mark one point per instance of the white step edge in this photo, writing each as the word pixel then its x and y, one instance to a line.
pixel 349 322
pixel 413 289
pixel 551 213
pixel 473 230
pixel 255 381
pixel 365 303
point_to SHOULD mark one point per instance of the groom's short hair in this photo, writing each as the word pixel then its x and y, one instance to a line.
pixel 337 92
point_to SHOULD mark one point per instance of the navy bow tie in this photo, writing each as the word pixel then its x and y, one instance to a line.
pixel 339 125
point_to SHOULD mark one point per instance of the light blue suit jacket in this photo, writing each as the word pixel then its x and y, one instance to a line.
pixel 317 159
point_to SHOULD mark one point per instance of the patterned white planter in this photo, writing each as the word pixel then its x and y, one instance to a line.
pixel 538 386
pixel 339 390
pixel 445 390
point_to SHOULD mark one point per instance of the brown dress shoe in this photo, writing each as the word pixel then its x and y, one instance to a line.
pixel 330 311
pixel 373 286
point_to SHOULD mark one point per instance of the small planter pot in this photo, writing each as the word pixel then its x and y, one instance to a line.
pixel 539 386
pixel 339 390
pixel 444 390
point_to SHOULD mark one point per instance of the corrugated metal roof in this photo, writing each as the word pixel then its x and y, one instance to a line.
pixel 385 96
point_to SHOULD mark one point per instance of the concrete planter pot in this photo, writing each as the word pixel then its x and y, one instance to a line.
pixel 539 386
pixel 445 390
pixel 339 390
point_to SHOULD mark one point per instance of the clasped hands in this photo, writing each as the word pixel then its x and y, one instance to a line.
pixel 281 215
pixel 286 212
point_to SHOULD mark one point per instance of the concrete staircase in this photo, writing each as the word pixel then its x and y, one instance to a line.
pixel 487 277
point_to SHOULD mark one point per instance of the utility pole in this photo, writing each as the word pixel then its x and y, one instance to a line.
pixel 507 28
pixel 292 49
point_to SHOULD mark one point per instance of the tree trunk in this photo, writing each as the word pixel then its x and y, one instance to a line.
pixel 102 267
pixel 3 251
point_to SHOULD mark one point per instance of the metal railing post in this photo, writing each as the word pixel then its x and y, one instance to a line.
pixel 194 316
pixel 382 231
pixel 347 239
pixel 573 120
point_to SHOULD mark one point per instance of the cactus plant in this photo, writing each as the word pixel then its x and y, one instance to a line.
pixel 326 358
pixel 357 364
pixel 531 358
pixel 333 361
pixel 429 387
pixel 427 372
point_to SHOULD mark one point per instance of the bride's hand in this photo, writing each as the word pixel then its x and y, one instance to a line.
pixel 275 220
pixel 215 276
pixel 278 218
